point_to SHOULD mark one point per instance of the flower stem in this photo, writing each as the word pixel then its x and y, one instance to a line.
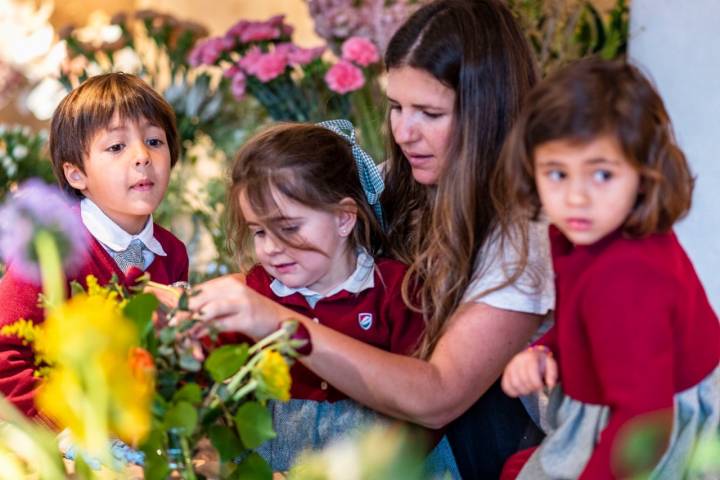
pixel 53 278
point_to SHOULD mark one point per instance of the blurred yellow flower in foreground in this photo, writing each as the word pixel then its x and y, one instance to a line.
pixel 95 388
pixel 273 375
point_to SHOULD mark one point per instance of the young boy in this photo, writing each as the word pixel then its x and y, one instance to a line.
pixel 113 141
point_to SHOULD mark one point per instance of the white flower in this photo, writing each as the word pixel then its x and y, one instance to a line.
pixel 43 99
pixel 19 152
pixel 9 165
pixel 127 60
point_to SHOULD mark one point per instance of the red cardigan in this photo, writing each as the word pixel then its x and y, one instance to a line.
pixel 19 300
pixel 394 327
pixel 633 327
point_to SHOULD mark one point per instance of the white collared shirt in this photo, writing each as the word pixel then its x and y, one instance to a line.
pixel 112 237
pixel 361 279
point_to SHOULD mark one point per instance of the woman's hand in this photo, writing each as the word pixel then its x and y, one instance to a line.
pixel 529 371
pixel 232 306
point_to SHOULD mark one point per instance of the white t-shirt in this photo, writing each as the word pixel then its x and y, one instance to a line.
pixel 532 292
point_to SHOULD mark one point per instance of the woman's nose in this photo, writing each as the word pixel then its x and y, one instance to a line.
pixel 404 129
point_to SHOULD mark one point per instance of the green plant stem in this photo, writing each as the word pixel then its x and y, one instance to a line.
pixel 189 472
pixel 249 387
pixel 53 278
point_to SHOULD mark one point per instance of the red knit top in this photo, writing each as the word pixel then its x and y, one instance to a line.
pixel 633 327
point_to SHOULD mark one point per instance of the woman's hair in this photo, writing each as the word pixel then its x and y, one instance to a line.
pixel 586 100
pixel 92 106
pixel 476 48
pixel 308 164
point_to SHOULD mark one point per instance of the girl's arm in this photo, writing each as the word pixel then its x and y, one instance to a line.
pixel 468 359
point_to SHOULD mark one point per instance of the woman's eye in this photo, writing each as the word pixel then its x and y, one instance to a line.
pixel 258 233
pixel 602 175
pixel 433 115
pixel 290 229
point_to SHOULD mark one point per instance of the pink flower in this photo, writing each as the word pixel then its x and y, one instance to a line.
pixel 237 85
pixel 265 66
pixel 344 77
pixel 360 51
pixel 259 31
pixel 297 55
pixel 209 51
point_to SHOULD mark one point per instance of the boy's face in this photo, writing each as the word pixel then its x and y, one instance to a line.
pixel 126 172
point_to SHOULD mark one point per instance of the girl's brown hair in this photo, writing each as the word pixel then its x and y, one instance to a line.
pixel 584 101
pixel 310 165
pixel 92 106
pixel 476 48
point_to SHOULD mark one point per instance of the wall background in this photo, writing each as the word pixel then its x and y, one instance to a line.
pixel 678 43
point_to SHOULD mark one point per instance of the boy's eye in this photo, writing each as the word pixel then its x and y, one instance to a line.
pixel 155 142
pixel 602 175
pixel 115 148
pixel 555 175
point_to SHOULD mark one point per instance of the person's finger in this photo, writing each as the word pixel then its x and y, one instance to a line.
pixel 551 372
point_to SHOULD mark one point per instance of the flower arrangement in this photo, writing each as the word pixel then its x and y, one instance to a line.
pixel 295 83
pixel 130 370
pixel 376 20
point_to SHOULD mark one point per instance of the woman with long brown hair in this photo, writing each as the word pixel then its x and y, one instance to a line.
pixel 458 72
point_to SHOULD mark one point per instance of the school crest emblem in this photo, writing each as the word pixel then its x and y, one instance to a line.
pixel 365 320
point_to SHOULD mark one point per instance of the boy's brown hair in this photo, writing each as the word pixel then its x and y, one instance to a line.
pixel 91 107
pixel 582 102
pixel 308 164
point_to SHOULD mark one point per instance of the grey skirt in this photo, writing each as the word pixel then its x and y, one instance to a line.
pixel 306 424
pixel 576 428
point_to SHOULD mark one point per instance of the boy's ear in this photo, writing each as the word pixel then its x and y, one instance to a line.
pixel 346 217
pixel 74 176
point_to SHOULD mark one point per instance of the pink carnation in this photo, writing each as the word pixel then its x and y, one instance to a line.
pixel 259 31
pixel 360 50
pixel 344 77
pixel 265 66
pixel 297 55
pixel 209 51
pixel 237 85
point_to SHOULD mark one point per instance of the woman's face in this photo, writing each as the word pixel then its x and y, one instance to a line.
pixel 421 116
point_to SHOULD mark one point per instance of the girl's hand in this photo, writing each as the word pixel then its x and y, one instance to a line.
pixel 232 306
pixel 529 371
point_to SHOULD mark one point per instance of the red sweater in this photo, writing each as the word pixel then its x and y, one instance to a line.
pixel 19 299
pixel 394 326
pixel 633 327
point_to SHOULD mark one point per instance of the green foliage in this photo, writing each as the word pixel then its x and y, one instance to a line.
pixel 23 154
pixel 254 424
pixel 560 31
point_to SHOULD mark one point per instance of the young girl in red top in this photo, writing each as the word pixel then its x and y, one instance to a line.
pixel 306 197
pixel 636 344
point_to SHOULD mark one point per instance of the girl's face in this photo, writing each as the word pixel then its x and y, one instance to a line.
pixel 320 270
pixel 421 116
pixel 586 189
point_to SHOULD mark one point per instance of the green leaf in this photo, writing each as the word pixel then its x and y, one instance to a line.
pixel 254 467
pixel 76 288
pixel 156 464
pixel 226 361
pixel 182 416
pixel 226 441
pixel 189 363
pixel 190 392
pixel 254 424
pixel 139 309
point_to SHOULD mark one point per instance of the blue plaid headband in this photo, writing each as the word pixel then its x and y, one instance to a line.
pixel 370 178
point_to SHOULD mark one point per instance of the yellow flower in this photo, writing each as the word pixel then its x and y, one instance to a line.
pixel 273 375
pixel 92 389
pixel 27 332
pixel 107 292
